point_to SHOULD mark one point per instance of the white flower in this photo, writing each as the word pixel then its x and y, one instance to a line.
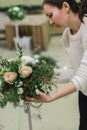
pixel 36 57
pixel 45 88
pixel 37 91
pixel 28 59
pixel 35 86
pixel 20 91
pixel 36 61
pixel 56 71
pixel 11 59
pixel 16 8
pixel 20 83
pixel 1 96
pixel 58 65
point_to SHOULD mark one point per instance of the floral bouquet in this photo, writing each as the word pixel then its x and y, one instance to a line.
pixel 24 76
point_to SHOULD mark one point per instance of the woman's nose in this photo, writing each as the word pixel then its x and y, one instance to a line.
pixel 51 21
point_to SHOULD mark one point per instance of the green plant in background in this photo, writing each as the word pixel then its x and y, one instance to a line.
pixel 16 13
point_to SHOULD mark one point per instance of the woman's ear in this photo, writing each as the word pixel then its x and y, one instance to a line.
pixel 66 7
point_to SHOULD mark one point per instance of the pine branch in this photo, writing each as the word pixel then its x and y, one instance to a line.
pixel 19 51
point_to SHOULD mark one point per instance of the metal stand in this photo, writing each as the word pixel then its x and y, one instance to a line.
pixel 27 109
pixel 29 118
pixel 17 28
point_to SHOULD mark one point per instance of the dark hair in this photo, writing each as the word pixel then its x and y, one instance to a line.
pixel 81 8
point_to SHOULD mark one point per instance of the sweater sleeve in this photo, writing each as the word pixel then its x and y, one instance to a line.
pixel 63 75
pixel 80 78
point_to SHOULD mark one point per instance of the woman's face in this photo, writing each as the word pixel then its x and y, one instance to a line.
pixel 58 17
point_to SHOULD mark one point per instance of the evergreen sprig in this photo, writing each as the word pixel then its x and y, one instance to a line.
pixel 3 62
pixel 19 51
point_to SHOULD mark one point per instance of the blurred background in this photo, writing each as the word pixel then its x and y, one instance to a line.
pixel 24 2
pixel 36 36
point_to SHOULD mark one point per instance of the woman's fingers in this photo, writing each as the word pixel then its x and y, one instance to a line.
pixel 42 95
pixel 41 98
pixel 29 99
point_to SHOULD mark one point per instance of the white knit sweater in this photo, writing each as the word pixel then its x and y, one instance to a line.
pixel 76 49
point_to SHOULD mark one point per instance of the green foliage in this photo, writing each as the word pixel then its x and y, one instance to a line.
pixel 3 62
pixel 41 76
pixel 48 60
pixel 4 65
pixel 20 51
pixel 14 85
pixel 16 13
pixel 14 65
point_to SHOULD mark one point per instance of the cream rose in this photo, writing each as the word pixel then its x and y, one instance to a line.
pixel 25 71
pixel 10 77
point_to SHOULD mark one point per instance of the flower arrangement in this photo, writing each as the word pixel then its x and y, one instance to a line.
pixel 24 76
pixel 16 13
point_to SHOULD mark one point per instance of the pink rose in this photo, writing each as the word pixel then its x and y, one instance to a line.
pixel 25 71
pixel 10 77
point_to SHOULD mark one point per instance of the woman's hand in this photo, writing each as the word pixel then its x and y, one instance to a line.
pixel 66 90
pixel 41 98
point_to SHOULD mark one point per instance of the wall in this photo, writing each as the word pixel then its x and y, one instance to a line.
pixel 25 2
pixel 15 2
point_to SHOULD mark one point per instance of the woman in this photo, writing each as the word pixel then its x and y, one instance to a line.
pixel 68 15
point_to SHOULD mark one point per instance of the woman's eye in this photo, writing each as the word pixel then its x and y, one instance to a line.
pixel 49 15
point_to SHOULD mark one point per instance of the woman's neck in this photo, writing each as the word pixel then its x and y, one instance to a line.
pixel 75 24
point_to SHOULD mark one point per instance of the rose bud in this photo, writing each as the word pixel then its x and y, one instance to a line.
pixel 25 71
pixel 10 77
